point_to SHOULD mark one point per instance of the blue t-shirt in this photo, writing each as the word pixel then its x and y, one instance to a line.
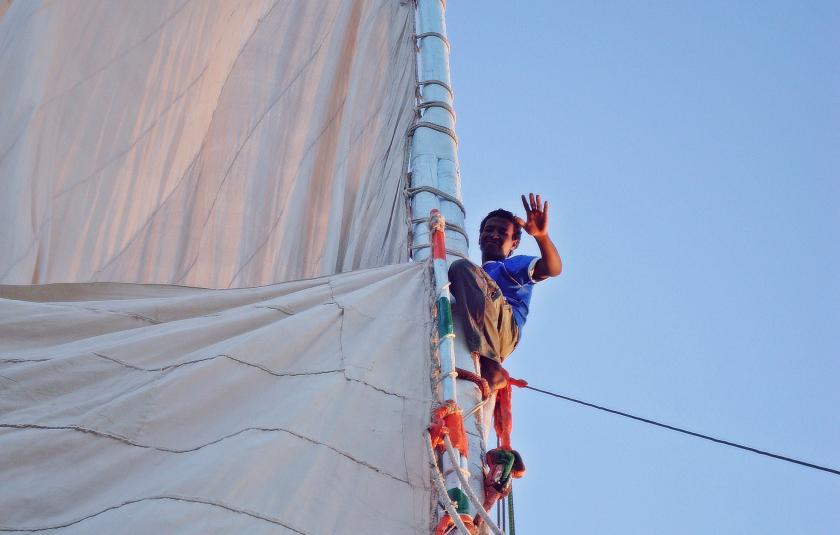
pixel 514 275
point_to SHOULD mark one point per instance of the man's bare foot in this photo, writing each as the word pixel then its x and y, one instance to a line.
pixel 493 374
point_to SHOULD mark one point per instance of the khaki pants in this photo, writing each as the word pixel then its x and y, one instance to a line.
pixel 484 314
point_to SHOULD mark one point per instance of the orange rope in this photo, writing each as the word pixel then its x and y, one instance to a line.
pixel 503 412
pixel 480 381
pixel 446 522
pixel 447 420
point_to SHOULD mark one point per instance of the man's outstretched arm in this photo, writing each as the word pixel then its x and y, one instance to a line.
pixel 536 224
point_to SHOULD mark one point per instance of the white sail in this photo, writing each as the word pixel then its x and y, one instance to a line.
pixel 213 143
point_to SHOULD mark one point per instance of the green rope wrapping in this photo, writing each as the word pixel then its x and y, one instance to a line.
pixel 445 325
pixel 510 511
pixel 461 500
pixel 505 458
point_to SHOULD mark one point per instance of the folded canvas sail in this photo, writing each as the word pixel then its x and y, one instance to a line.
pixel 290 408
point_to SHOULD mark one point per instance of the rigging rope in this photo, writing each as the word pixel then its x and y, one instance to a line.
pixel 448 251
pixel 479 506
pixel 691 433
pixel 443 496
pixel 449 226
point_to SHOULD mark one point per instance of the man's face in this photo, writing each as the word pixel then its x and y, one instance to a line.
pixel 496 239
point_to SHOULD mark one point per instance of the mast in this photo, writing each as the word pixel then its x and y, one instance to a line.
pixel 434 178
pixel 435 181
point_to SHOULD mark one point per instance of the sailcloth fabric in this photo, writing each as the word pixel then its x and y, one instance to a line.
pixel 290 408
pixel 208 323
pixel 212 143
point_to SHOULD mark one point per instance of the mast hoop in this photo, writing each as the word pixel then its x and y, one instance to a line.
pixel 443 129
pixel 411 192
pixel 439 35
pixel 441 83
pixel 438 104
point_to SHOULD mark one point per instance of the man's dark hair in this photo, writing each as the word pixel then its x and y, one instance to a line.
pixel 503 214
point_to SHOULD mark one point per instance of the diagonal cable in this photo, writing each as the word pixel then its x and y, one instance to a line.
pixel 691 433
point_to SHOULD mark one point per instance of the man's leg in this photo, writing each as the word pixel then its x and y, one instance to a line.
pixel 475 307
pixel 485 318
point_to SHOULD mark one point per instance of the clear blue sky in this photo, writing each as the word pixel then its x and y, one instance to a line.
pixel 691 153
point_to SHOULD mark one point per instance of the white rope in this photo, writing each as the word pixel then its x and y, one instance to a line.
pixel 443 376
pixel 406 176
pixel 448 250
pixel 479 419
pixel 475 408
pixel 441 488
pixel 470 492
pixel 449 226
pixel 451 470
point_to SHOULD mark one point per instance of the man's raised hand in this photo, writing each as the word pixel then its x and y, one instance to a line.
pixel 536 224
pixel 536 216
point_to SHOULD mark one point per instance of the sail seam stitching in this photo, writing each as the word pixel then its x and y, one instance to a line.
pixel 130 442
pixel 173 497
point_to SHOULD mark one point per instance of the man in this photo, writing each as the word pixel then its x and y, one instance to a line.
pixel 491 304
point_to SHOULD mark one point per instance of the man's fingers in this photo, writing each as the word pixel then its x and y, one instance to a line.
pixel 545 209
pixel 534 204
pixel 519 221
